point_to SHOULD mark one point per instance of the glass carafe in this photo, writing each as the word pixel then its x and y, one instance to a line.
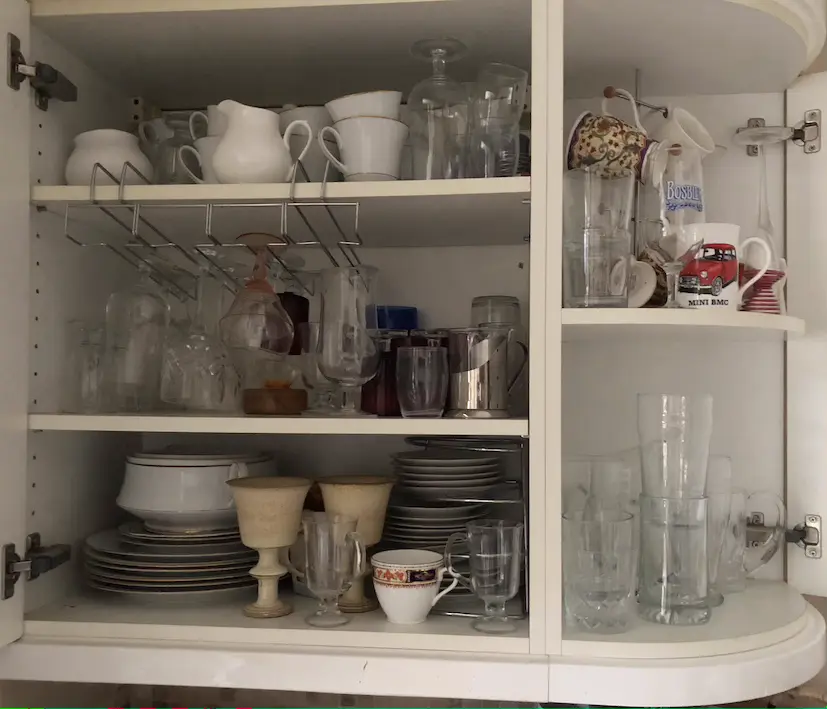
pixel 136 323
pixel 349 355
pixel 438 114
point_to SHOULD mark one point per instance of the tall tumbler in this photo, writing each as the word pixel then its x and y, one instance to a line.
pixel 599 569
pixel 673 575
pixel 597 243
pixel 422 381
pixel 674 432
pixel 719 493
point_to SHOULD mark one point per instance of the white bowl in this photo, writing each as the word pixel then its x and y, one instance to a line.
pixel 191 522
pixel 379 104
pixel 160 487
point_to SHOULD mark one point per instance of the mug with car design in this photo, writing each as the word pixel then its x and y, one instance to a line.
pixel 710 280
pixel 407 583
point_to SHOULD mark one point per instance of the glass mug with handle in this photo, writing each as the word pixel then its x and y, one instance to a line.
pixel 495 552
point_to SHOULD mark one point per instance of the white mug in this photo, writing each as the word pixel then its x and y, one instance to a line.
pixel 407 583
pixel 215 120
pixel 711 278
pixel 202 152
pixel 682 128
pixel 371 147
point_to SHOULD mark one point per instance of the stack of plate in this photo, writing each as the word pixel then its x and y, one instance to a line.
pixel 140 563
pixel 448 474
pixel 427 526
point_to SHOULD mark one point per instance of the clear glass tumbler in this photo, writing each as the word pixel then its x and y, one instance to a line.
pixel 422 381
pixel 84 380
pixel 673 573
pixel 674 432
pixel 334 556
pixel 348 354
pixel 597 243
pixel 599 569
pixel 495 553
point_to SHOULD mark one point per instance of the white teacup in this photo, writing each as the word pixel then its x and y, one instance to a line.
pixel 407 583
pixel 371 148
pixel 215 119
pixel 711 278
pixel 203 153
pixel 380 104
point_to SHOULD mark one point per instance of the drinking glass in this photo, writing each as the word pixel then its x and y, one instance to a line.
pixel 674 432
pixel 319 388
pixel 136 322
pixel 597 243
pixel 438 114
pixel 738 559
pixel 599 569
pixel 84 379
pixel 379 394
pixel 594 483
pixel 348 355
pixel 673 574
pixel 719 493
pixel 334 556
pixel 422 381
pixel 197 372
pixel 495 551
pixel 497 105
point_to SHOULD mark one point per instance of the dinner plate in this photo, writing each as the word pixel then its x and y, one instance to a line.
pixel 445 458
pixel 184 595
pixel 110 542
pixel 162 572
pixel 443 471
pixel 444 511
pixel 184 585
pixel 167 563
pixel 440 526
pixel 136 530
pixel 454 484
pixel 181 577
pixel 455 493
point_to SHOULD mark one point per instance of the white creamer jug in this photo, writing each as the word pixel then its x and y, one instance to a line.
pixel 252 150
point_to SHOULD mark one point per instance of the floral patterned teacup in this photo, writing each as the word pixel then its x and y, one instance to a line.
pixel 407 583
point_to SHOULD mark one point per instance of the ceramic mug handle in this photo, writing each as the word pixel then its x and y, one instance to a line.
pixel 761 271
pixel 439 576
pixel 322 133
pixel 184 150
pixel 203 116
pixel 147 132
pixel 289 132
pixel 458 578
pixel 604 108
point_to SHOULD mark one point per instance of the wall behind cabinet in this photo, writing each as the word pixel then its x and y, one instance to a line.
pixel 601 378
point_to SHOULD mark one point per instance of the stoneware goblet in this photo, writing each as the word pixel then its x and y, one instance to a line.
pixel 364 497
pixel 269 517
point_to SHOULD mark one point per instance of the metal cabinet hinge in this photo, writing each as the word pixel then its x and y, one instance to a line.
pixel 806 134
pixel 38 560
pixel 806 535
pixel 47 82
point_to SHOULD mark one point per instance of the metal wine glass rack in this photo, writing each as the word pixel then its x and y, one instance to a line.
pixel 145 236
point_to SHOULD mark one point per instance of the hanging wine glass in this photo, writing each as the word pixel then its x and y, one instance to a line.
pixel 197 373
pixel 136 323
pixel 348 354
pixel 438 114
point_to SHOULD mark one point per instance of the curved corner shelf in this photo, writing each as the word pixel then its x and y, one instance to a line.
pixel 593 323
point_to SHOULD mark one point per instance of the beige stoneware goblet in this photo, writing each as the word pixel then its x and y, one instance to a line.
pixel 364 497
pixel 269 518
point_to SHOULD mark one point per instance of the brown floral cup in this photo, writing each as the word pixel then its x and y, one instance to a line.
pixel 609 145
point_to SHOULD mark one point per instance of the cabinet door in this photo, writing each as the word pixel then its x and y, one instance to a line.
pixel 807 355
pixel 15 117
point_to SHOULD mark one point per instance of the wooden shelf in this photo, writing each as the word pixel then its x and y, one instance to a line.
pixel 468 212
pixel 593 323
pixel 380 426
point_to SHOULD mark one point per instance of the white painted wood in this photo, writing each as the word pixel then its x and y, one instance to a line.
pixel 331 669
pixel 183 423
pixel 806 357
pixel 768 612
pixel 706 47
pixel 14 312
pixel 285 52
pixel 112 618
pixel 404 213
pixel 592 323
pixel 698 681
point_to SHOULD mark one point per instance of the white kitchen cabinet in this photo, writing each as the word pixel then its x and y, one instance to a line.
pixel 440 243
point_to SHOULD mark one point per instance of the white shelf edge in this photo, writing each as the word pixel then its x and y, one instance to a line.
pixel 582 318
pixel 64 8
pixel 336 191
pixel 277 425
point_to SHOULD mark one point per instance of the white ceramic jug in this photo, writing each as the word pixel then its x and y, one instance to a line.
pixel 112 149
pixel 252 150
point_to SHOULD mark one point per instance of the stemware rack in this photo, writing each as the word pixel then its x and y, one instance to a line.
pixel 149 239
pixel 512 493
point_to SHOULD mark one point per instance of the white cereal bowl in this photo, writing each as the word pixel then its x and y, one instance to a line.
pixel 186 492
pixel 379 104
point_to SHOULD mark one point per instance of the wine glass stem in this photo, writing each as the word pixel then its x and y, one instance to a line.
pixel 351 398
pixel 438 62
pixel 495 609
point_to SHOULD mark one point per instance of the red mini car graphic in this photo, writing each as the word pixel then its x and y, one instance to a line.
pixel 712 270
